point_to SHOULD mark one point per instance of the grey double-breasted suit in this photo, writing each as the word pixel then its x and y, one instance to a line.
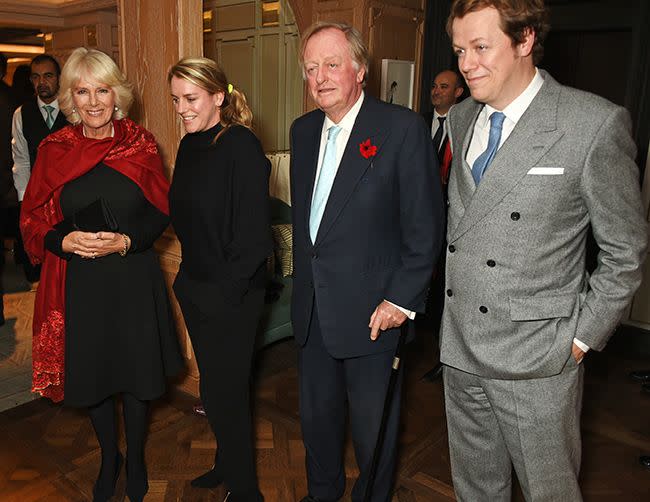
pixel 517 289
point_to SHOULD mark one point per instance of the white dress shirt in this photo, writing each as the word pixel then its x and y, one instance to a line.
pixel 435 124
pixel 513 113
pixel 346 124
pixel 22 169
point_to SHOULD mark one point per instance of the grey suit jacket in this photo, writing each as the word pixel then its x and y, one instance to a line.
pixel 517 288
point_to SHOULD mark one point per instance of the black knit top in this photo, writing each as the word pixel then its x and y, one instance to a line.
pixel 219 208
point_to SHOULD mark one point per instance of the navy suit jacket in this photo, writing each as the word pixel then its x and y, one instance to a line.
pixel 380 233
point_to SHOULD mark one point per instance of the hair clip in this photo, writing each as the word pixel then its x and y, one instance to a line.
pixel 230 88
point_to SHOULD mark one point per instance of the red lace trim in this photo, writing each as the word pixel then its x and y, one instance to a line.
pixel 48 356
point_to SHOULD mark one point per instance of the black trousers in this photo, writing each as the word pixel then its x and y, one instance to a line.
pixel 327 384
pixel 223 342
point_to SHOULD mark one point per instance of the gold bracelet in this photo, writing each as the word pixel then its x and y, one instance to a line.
pixel 126 246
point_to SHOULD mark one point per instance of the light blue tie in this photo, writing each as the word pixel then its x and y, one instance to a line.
pixel 50 118
pixel 483 161
pixel 324 182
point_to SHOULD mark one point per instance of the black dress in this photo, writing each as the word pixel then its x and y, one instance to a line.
pixel 119 329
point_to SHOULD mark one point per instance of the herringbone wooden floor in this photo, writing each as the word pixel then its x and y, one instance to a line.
pixel 16 350
pixel 49 453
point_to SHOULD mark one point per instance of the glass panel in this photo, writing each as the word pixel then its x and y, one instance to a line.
pixel 207 21
pixel 270 13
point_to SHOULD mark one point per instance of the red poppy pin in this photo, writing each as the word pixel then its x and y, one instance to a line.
pixel 367 149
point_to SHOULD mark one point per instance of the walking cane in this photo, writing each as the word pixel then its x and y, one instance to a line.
pixel 384 417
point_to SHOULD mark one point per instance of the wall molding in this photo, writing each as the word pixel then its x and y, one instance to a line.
pixel 46 15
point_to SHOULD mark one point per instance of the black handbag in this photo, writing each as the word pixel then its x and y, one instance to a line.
pixel 95 217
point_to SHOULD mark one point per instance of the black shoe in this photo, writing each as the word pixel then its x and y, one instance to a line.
pixel 640 376
pixel 645 388
pixel 433 374
pixel 137 483
pixel 644 460
pixel 210 479
pixel 198 409
pixel 105 488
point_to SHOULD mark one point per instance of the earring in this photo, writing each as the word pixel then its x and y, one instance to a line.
pixel 74 110
pixel 116 108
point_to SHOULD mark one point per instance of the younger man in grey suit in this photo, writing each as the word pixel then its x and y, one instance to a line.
pixel 535 164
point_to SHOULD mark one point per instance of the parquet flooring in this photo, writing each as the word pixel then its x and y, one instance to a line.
pixel 49 453
pixel 16 350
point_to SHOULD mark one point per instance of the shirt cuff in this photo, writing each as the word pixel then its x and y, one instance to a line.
pixel 410 314
pixel 581 345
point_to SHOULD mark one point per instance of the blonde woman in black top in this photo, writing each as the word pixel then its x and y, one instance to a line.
pixel 219 210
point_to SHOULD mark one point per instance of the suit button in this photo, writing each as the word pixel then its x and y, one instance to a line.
pixel 450 293
pixel 483 309
pixel 491 263
pixel 314 255
pixel 515 216
pixel 452 248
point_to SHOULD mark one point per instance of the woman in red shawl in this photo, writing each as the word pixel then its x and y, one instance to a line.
pixel 102 324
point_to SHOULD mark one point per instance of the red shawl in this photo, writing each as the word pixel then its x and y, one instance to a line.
pixel 62 157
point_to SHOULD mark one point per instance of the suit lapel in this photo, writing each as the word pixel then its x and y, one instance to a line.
pixel 310 142
pixel 466 185
pixel 535 133
pixel 353 165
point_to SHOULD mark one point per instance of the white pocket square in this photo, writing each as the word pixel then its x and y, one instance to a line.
pixel 546 171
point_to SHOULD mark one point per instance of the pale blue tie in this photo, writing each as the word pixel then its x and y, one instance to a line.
pixel 483 161
pixel 50 117
pixel 324 182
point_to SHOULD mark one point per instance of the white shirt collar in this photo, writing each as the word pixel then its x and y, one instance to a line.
pixel 347 122
pixel 516 109
pixel 436 114
pixel 54 104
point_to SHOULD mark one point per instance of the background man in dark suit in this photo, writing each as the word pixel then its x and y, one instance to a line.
pixel 446 90
pixel 367 215
pixel 535 164
pixel 32 122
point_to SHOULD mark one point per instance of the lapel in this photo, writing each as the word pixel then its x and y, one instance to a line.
pixel 311 139
pixel 463 173
pixel 535 133
pixel 353 165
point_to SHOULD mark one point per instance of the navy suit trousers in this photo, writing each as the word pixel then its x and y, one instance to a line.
pixel 326 384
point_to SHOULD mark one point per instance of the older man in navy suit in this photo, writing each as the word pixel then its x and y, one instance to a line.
pixel 368 218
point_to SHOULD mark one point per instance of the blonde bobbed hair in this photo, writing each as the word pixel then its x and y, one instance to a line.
pixel 209 76
pixel 98 67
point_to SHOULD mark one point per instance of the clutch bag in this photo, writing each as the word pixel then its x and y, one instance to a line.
pixel 95 217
